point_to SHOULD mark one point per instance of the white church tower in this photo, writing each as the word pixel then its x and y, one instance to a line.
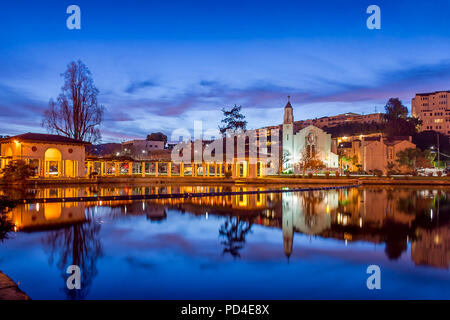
pixel 288 136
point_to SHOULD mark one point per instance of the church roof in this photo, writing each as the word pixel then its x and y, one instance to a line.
pixel 288 105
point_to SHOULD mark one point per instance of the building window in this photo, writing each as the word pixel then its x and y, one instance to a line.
pixel 390 153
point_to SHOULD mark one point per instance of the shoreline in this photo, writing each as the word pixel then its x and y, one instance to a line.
pixel 270 180
pixel 9 290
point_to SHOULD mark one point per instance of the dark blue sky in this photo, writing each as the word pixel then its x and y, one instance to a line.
pixel 160 65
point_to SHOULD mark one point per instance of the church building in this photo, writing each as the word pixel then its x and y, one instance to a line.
pixel 307 143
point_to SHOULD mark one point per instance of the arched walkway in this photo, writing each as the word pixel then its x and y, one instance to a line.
pixel 53 162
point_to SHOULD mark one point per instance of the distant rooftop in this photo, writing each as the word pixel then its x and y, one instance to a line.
pixel 430 93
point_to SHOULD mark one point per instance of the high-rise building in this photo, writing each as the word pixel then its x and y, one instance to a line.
pixel 434 110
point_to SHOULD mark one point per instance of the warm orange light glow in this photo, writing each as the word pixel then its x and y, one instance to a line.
pixel 52 211
pixel 52 154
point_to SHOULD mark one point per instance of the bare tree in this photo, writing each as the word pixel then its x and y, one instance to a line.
pixel 76 113
pixel 310 160
pixel 76 244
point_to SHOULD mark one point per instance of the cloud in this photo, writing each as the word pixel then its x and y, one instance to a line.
pixel 139 85
pixel 403 82
pixel 19 112
pixel 208 83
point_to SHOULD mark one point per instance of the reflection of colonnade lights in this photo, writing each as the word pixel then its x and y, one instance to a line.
pixel 437 239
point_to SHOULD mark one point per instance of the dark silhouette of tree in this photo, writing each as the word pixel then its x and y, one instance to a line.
pixel 428 139
pixel 355 129
pixel 76 113
pixel 234 231
pixel 233 120
pixel 80 245
pixel 6 225
pixel 394 110
pixel 157 136
pixel 395 239
pixel 397 121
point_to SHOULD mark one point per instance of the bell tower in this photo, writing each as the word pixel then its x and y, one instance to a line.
pixel 288 114
pixel 288 136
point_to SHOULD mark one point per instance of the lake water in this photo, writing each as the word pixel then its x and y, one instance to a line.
pixel 295 245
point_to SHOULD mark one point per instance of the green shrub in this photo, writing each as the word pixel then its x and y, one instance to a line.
pixel 17 171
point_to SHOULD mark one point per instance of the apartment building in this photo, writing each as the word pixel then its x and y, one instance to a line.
pixel 434 110
pixel 142 145
pixel 372 152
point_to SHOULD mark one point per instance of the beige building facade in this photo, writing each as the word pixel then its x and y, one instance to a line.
pixel 376 154
pixel 434 111
pixel 143 146
pixel 309 142
pixel 51 155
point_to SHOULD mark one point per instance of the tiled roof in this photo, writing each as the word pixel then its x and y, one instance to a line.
pixel 41 137
pixel 395 140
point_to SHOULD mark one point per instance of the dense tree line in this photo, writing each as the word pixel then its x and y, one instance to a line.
pixel 355 129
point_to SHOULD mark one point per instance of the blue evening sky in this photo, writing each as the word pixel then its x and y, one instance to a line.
pixel 160 65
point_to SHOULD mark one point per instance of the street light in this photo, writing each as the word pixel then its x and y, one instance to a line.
pixel 17 142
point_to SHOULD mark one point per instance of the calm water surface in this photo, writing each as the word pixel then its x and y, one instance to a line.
pixel 315 244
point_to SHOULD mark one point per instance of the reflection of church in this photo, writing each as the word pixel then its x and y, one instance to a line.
pixel 306 213
pixel 309 142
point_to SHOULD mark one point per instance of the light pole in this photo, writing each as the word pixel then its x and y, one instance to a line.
pixel 439 156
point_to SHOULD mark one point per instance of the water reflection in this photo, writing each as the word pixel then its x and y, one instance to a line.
pixel 234 231
pixel 6 225
pixel 394 217
pixel 75 244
